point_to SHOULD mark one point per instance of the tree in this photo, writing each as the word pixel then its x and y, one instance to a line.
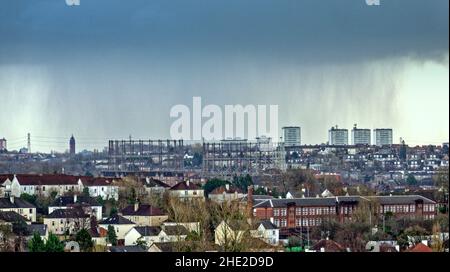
pixel 84 239
pixel 86 192
pixel 142 243
pixel 54 244
pixel 36 244
pixel 111 235
pixel 214 183
pixel 411 180
pixel 29 198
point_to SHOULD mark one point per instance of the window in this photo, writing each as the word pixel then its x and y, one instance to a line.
pixel 312 211
pixel 43 188
pixel 304 211
pixel 283 212
pixel 298 222
pixel 298 211
pixel 319 211
pixel 283 222
pixel 276 222
pixel 31 210
pixel 186 193
pixel 276 212
pixel 53 223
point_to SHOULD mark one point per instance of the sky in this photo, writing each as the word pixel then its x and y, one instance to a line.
pixel 107 69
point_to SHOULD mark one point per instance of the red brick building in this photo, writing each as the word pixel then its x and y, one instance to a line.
pixel 310 212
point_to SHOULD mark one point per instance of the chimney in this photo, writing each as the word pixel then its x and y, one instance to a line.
pixel 11 198
pixel 227 187
pixel 187 183
pixel 75 198
pixel 136 206
pixel 250 201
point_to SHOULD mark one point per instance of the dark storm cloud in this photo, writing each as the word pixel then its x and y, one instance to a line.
pixel 308 30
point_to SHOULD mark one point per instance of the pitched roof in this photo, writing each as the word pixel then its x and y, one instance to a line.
pixel 148 231
pixel 10 217
pixel 329 246
pixel 151 182
pixel 268 225
pixel 45 179
pixel 164 247
pixel 116 220
pixel 143 210
pixel 90 181
pixel 185 185
pixel 127 249
pixel 175 230
pixel 401 199
pixel 70 200
pixel 420 247
pixel 280 203
pixel 5 203
pixel 68 213
pixel 223 189
pixel 40 229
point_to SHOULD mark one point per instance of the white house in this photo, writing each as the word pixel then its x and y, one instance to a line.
pixel 19 206
pixel 121 225
pixel 226 194
pixel 187 190
pixel 149 234
pixel 5 186
pixel 267 232
pixel 67 221
pixel 44 185
pixel 89 205
pixel 105 188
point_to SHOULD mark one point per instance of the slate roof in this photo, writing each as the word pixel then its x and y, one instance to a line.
pixel 127 249
pixel 143 210
pixel 69 200
pixel 41 229
pixel 5 203
pixel 116 220
pixel 11 217
pixel 185 186
pixel 151 182
pixel 268 225
pixel 281 203
pixel 68 213
pixel 148 231
pixel 222 189
pixel 175 230
pixel 165 247
pixel 329 246
pixel 401 199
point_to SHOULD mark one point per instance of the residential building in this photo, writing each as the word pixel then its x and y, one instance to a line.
pixel 144 214
pixel 67 221
pixel 155 186
pixel 40 229
pixel 338 136
pixel 19 206
pixel 360 136
pixel 187 190
pixel 89 205
pixel 226 193
pixel 102 187
pixel 267 231
pixel 121 225
pixel 383 136
pixel 292 136
pixel 146 233
pixel 44 185
pixel 326 245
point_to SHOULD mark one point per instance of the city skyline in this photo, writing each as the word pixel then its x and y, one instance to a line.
pixel 322 62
